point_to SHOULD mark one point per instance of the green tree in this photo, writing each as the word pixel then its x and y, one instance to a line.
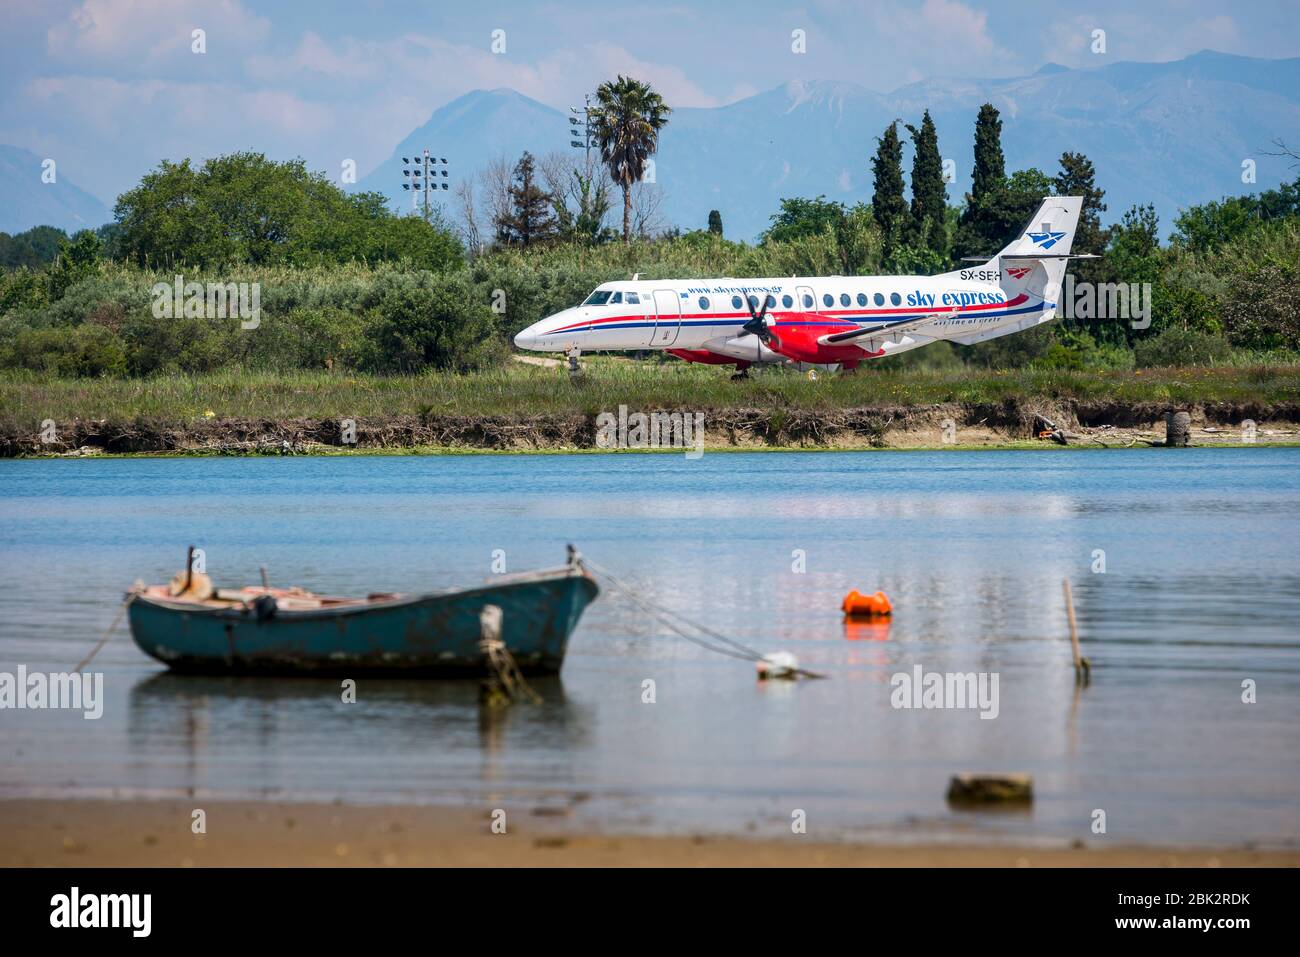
pixel 979 230
pixel 929 194
pixel 625 123
pixel 990 166
pixel 1078 177
pixel 166 220
pixel 36 247
pixel 1207 227
pixel 244 208
pixel 586 224
pixel 1262 309
pixel 887 203
pixel 1006 209
pixel 715 222
pixel 804 217
pixel 78 258
pixel 529 219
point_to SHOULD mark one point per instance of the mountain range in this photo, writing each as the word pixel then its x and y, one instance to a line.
pixel 27 201
pixel 1172 134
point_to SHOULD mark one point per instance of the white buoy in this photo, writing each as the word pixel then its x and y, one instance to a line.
pixel 779 664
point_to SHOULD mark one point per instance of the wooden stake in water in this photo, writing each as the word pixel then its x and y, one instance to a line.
pixel 1082 667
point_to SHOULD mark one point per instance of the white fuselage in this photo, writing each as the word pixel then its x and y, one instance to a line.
pixel 708 313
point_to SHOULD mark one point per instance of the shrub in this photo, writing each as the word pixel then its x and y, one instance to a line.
pixel 428 320
pixel 70 353
pixel 1177 346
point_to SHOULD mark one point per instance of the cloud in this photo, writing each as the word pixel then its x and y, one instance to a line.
pixel 1136 36
pixel 148 35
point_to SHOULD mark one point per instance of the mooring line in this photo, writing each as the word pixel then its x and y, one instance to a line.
pixel 665 617
pixel 94 651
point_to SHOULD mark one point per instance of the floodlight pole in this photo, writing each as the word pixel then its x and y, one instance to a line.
pixel 425 167
pixel 584 125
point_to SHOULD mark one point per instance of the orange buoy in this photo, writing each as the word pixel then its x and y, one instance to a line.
pixel 858 605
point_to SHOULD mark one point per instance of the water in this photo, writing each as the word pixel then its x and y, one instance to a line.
pixel 1201 591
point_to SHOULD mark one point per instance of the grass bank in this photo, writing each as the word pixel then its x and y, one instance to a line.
pixel 529 407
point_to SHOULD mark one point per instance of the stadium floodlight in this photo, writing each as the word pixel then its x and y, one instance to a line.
pixel 580 124
pixel 421 177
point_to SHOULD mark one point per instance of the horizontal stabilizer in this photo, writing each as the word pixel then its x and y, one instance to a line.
pixel 984 259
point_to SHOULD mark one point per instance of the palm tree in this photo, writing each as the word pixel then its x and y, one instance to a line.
pixel 625 122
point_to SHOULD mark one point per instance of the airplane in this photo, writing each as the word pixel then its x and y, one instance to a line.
pixel 827 321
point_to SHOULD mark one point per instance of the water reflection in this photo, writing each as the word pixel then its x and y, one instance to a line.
pixel 299 736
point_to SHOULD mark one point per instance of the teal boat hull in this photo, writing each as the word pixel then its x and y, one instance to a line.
pixel 433 635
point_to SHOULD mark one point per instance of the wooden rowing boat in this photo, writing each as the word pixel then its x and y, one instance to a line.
pixel 191 627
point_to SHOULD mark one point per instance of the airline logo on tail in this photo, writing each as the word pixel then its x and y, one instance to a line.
pixel 1019 272
pixel 1046 239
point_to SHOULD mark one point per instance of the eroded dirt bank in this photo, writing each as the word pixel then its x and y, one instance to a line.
pixel 1080 423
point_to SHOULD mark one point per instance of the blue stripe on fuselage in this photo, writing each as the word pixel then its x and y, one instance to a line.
pixel 823 322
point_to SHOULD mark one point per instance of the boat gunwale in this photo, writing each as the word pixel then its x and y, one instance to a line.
pixel 243 613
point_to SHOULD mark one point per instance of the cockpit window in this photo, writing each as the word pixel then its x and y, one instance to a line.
pixel 617 297
pixel 598 298
pixel 634 298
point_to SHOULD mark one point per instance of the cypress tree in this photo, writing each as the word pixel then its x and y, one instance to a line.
pixel 715 222
pixel 929 195
pixel 978 232
pixel 990 165
pixel 1079 178
pixel 888 206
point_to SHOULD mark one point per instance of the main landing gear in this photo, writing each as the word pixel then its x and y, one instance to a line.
pixel 742 372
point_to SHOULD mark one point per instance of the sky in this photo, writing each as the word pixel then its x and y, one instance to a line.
pixel 108 88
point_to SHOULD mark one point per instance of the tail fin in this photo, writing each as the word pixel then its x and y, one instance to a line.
pixel 1050 231
pixel 1031 267
pixel 1035 261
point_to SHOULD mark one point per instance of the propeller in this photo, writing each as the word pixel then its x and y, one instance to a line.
pixel 756 325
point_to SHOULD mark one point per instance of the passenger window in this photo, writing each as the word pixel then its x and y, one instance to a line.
pixel 704 303
pixel 807 301
pixel 880 299
pixel 828 299
pixel 862 299
pixel 844 299
pixel 634 298
pixel 895 298
pixel 771 301
pixel 736 303
pixel 787 301
pixel 753 302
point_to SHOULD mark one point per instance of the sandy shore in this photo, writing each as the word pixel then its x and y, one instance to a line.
pixel 98 833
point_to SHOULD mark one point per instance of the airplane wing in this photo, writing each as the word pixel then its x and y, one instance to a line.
pixel 888 330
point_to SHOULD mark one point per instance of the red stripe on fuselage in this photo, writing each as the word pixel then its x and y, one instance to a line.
pixel 742 317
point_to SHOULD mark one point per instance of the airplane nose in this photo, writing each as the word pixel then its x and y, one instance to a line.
pixel 526 339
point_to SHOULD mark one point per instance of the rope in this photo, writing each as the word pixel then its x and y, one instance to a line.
pixel 94 651
pixel 730 647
